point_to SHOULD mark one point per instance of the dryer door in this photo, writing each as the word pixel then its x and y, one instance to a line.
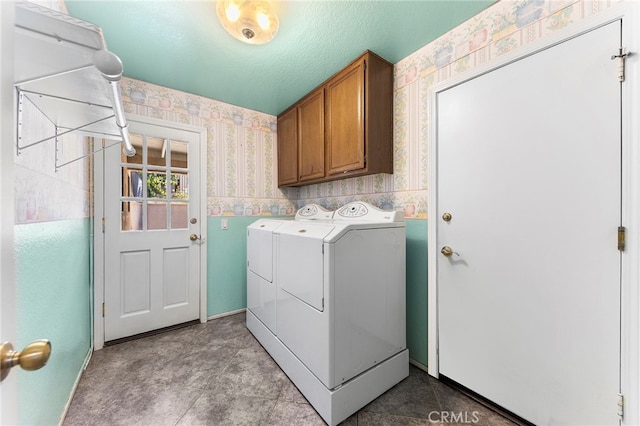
pixel 300 261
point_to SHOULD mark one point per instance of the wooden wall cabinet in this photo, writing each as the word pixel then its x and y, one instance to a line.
pixel 288 148
pixel 311 136
pixel 343 128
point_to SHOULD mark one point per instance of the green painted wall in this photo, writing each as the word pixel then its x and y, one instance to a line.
pixel 227 264
pixel 53 283
pixel 417 290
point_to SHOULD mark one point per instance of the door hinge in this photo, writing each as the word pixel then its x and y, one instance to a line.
pixel 620 406
pixel 622 233
pixel 104 310
pixel 103 224
pixel 621 56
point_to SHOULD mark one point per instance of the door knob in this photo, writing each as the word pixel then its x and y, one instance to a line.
pixel 193 237
pixel 34 356
pixel 446 251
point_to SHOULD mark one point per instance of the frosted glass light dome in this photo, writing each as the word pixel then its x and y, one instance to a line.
pixel 253 22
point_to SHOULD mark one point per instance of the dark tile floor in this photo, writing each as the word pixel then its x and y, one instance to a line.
pixel 218 374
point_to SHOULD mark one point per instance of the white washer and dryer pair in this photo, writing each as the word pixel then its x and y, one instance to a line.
pixel 326 299
pixel 261 288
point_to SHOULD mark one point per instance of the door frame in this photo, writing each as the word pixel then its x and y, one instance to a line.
pixel 629 12
pixel 99 240
pixel 8 313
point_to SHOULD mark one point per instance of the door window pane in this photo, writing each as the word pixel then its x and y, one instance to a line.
pixel 131 216
pixel 179 154
pixel 133 183
pixel 179 186
pixel 156 151
pixel 179 214
pixel 157 185
pixel 156 215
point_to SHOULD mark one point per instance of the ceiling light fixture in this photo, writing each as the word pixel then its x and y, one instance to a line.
pixel 251 21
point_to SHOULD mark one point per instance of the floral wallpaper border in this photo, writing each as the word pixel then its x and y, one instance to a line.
pixel 172 105
pixel 501 28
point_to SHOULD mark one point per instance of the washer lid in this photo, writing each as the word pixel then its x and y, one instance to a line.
pixel 260 247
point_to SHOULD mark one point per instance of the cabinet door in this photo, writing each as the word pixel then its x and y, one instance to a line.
pixel 311 136
pixel 288 148
pixel 345 120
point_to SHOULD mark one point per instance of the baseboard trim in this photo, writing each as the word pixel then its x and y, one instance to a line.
pixel 419 365
pixel 226 314
pixel 75 386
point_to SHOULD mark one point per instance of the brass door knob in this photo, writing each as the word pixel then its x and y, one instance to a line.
pixel 34 356
pixel 193 237
pixel 447 217
pixel 446 251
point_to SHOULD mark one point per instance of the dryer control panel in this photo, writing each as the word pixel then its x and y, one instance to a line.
pixel 359 210
pixel 353 210
pixel 313 212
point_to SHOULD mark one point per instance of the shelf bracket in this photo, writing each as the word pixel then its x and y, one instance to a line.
pixel 52 75
pixel 20 138
pixel 61 165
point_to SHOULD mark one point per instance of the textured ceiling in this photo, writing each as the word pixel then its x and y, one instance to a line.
pixel 181 44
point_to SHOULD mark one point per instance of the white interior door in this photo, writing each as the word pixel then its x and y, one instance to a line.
pixel 152 232
pixel 529 167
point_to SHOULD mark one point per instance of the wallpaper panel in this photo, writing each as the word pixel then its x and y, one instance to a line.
pixel 47 189
pixel 241 148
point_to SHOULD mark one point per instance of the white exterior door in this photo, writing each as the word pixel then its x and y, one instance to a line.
pixel 529 168
pixel 152 229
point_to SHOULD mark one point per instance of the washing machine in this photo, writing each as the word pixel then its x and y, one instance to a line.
pixel 261 290
pixel 340 329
